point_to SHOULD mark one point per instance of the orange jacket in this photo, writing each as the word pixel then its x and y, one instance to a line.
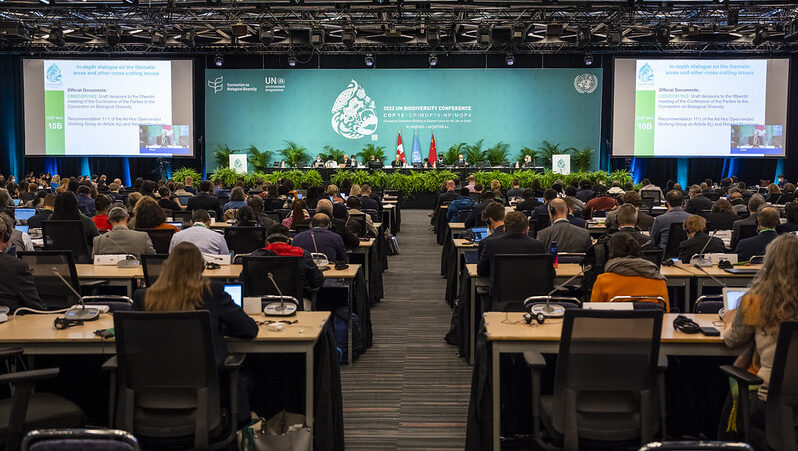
pixel 609 285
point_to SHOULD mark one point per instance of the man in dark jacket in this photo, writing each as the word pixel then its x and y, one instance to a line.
pixel 754 204
pixel 494 217
pixel 514 240
pixel 464 201
pixel 18 288
pixel 204 200
pixel 85 202
pixel 768 219
pixel 319 238
pixel 337 225
pixel 279 244
pixel 367 202
pixel 529 203
pixel 697 201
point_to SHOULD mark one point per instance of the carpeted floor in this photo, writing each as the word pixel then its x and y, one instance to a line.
pixel 410 390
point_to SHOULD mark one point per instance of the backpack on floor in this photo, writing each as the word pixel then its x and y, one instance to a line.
pixel 340 327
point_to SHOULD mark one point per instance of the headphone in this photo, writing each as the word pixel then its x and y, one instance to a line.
pixel 540 318
pixel 63 323
pixel 686 325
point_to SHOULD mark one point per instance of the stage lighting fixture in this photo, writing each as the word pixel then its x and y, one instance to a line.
pixel 348 35
pixel 791 31
pixel 517 34
pixel 57 36
pixel 588 59
pixel 433 36
pixel 614 37
pixel 265 34
pixel 291 61
pixel 484 38
pixel 733 17
pixel 113 35
pixel 583 36
pixel 158 39
pixel 188 37
pixel 554 29
pixel 509 59
pixel 662 35
pixel 316 36
pixel 44 2
pixel 760 35
pixel 218 60
pixel 239 29
pixel 369 60
pixel 433 60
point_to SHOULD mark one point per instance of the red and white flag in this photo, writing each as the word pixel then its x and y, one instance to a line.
pixel 433 151
pixel 400 149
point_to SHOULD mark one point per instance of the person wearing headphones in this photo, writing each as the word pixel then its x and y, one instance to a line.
pixel 18 288
pixel 319 238
pixel 493 215
pixel 279 243
pixel 569 237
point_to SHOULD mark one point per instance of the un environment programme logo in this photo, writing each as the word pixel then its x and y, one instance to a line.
pixel 216 84
pixel 585 83
pixel 353 113
pixel 645 74
pixel 53 74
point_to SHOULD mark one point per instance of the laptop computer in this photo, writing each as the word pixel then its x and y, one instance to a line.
pixel 741 270
pixel 480 233
pixel 22 228
pixel 235 292
pixel 732 296
pixel 23 214
pixel 183 199
pixel 179 225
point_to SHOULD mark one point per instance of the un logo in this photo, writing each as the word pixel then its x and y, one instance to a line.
pixel 53 74
pixel 585 83
pixel 216 84
pixel 353 113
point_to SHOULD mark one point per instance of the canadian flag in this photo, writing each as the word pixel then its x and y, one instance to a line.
pixel 400 149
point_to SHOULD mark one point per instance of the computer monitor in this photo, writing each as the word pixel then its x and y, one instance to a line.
pixel 732 296
pixel 23 214
pixel 300 196
pixel 235 292
pixel 479 233
pixel 17 201
pixel 183 199
pixel 22 228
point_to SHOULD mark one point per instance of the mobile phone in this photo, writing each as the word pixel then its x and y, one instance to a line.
pixel 710 331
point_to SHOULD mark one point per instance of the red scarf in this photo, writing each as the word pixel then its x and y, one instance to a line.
pixel 285 249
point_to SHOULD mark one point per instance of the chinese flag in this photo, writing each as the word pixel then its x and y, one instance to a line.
pixel 400 149
pixel 433 152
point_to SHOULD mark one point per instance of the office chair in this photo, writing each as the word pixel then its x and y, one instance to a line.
pixel 182 216
pixel 676 235
pixel 607 389
pixel 703 445
pixel 747 231
pixel 642 302
pixel 647 204
pixel 713 196
pixel 244 240
pixel 26 410
pixel 708 303
pixel 285 270
pixel 51 290
pixel 462 214
pixel 168 390
pixel 540 223
pixel 651 194
pixel 375 216
pixel 356 223
pixel 301 227
pixel 161 238
pixel 152 265
pixel 515 277
pixel 115 303
pixel 653 255
pixel 66 236
pixel 79 440
pixel 782 403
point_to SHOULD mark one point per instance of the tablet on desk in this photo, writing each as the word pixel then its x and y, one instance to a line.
pixel 235 292
pixel 732 296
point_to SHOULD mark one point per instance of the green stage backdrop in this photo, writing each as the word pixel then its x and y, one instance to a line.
pixel 348 109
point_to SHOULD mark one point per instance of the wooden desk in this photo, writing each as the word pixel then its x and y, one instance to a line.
pixel 507 333
pixel 221 225
pixel 456 227
pixel 36 335
pixel 461 246
pixel 705 278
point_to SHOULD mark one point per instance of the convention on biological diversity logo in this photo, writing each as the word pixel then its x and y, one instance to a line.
pixel 645 74
pixel 216 84
pixel 53 74
pixel 353 113
pixel 585 83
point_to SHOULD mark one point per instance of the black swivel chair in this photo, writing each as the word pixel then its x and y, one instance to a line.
pixel 66 236
pixel 375 216
pixel 161 238
pixel 703 445
pixel 182 216
pixel 654 255
pixel 356 223
pixel 540 223
pixel 647 204
pixel 747 231
pixel 515 277
pixel 167 376
pixel 50 288
pixel 607 389
pixel 676 235
pixel 152 265
pixel 286 273
pixel 708 303
pixel 781 422
pixel 26 410
pixel 79 440
pixel 245 240
pixel 462 214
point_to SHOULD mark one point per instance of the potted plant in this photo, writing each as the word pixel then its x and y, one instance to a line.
pixel 222 155
pixel 259 159
pixel 474 153
pixel 548 150
pixel 453 153
pixel 498 154
pixel 293 154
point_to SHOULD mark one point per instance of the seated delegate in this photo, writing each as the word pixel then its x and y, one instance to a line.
pixel 200 233
pixel 319 238
pixel 767 220
pixel 698 242
pixel 18 288
pixel 120 239
pixel 514 240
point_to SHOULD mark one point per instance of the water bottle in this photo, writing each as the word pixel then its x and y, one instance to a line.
pixel 553 252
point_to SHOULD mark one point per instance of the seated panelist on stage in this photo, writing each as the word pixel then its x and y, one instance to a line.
pixel 569 237
pixel 120 239
pixel 319 238
pixel 18 288
pixel 200 233
pixel 279 243
pixel 698 242
pixel 204 200
pixel 626 273
pixel 767 221
pixel 514 240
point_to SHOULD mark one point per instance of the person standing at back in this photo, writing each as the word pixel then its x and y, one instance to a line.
pixel 514 240
pixel 662 223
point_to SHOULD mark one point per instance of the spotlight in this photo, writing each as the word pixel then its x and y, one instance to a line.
pixel 433 36
pixel 291 61
pixel 509 59
pixel 316 36
pixel 113 35
pixel 588 59
pixel 189 37
pixel 433 60
pixel 239 29
pixel 57 36
pixel 158 39
pixel 484 38
pixel 662 35
pixel 45 2
pixel 218 61
pixel 348 36
pixel 130 2
pixel 614 37
pixel 517 34
pixel 583 36
pixel 265 34
pixel 760 35
pixel 369 60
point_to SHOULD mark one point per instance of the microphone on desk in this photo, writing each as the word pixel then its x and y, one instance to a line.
pixel 550 310
pixel 700 258
pixel 77 314
pixel 130 260
pixel 280 308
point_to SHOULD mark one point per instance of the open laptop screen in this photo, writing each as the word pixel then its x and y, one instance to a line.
pixel 234 290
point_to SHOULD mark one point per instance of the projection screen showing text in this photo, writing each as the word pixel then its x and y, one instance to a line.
pixel 110 108
pixel 700 108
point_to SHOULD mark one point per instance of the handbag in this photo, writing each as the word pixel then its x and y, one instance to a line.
pixel 282 432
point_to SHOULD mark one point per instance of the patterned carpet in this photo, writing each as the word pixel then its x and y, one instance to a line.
pixel 410 390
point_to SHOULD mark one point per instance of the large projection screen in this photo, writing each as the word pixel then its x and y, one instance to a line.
pixel 136 108
pixel 700 107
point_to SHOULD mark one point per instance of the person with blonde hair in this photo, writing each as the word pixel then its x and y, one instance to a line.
pixel 332 191
pixel 355 190
pixel 770 300
pixel 698 242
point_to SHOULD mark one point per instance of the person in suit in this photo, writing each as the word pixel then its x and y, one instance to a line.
pixel 644 221
pixel 35 221
pixel 698 242
pixel 791 213
pixel 754 204
pixel 768 220
pixel 319 238
pixel 367 202
pixel 721 217
pixel 120 239
pixel 18 288
pixel 543 209
pixel 449 195
pixel 353 203
pixel 338 226
pixel 516 190
pixel 514 240
pixel 569 238
pixel 278 242
pixel 204 200
pixel 85 202
pixel 188 182
pixel 530 202
pixel 579 222
pixel 697 202
pixel 662 223
pixel 626 216
pixel 493 215
pixel 475 218
pixel 585 192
